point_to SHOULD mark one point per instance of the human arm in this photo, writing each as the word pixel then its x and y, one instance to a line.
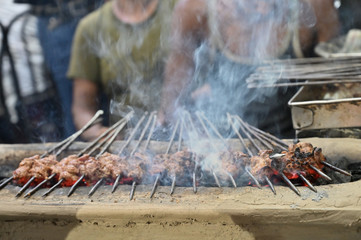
pixel 85 106
pixel 328 24
pixel 324 26
pixel 84 70
pixel 188 30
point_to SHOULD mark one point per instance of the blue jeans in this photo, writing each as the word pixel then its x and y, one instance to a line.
pixel 56 44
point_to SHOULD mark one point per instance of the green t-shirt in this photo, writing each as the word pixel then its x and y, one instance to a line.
pixel 126 61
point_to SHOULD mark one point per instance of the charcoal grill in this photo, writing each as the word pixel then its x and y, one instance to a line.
pixel 244 212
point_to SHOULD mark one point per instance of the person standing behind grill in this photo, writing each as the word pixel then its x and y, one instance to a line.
pixel 119 50
pixel 216 44
pixel 56 24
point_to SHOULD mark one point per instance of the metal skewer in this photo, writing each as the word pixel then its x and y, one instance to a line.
pixel 78 133
pixel 131 195
pixel 232 179
pixel 70 138
pixel 239 135
pixel 119 124
pixel 64 144
pixel 109 139
pixel 172 137
pixel 191 122
pixel 95 187
pixel 253 178
pixel 313 60
pixel 200 118
pixel 251 131
pixel 116 183
pixel 173 185
pixel 215 130
pixel 155 186
pixel 112 128
pixel 4 183
pixel 167 151
pixel 135 130
pixel 281 143
pixel 195 175
pixel 245 147
pixel 290 184
pixel 67 141
pixel 305 83
pixel 322 174
pixel 151 130
pixel 143 133
pixel 53 187
pixel 72 189
pixel 336 168
pixel 112 138
pixel 32 191
pixel 216 179
pixel 180 138
pixel 244 130
pixel 174 178
pixel 270 185
pixel 195 157
pixel 307 182
pixel 18 194
pixel 277 156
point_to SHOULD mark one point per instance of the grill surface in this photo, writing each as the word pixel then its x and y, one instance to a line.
pixel 332 213
pixel 246 212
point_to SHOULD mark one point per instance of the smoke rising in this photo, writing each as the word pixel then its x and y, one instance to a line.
pixel 267 30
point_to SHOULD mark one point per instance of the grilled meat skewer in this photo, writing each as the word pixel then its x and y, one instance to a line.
pixel 298 163
pixel 40 168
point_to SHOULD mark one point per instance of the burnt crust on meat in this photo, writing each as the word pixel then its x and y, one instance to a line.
pixel 299 157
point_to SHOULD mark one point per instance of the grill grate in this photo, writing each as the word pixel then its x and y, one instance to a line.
pixel 203 129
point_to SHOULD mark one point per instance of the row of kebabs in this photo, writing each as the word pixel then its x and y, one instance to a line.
pixel 301 158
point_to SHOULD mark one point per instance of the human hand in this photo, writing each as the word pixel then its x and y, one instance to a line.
pixel 92 133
